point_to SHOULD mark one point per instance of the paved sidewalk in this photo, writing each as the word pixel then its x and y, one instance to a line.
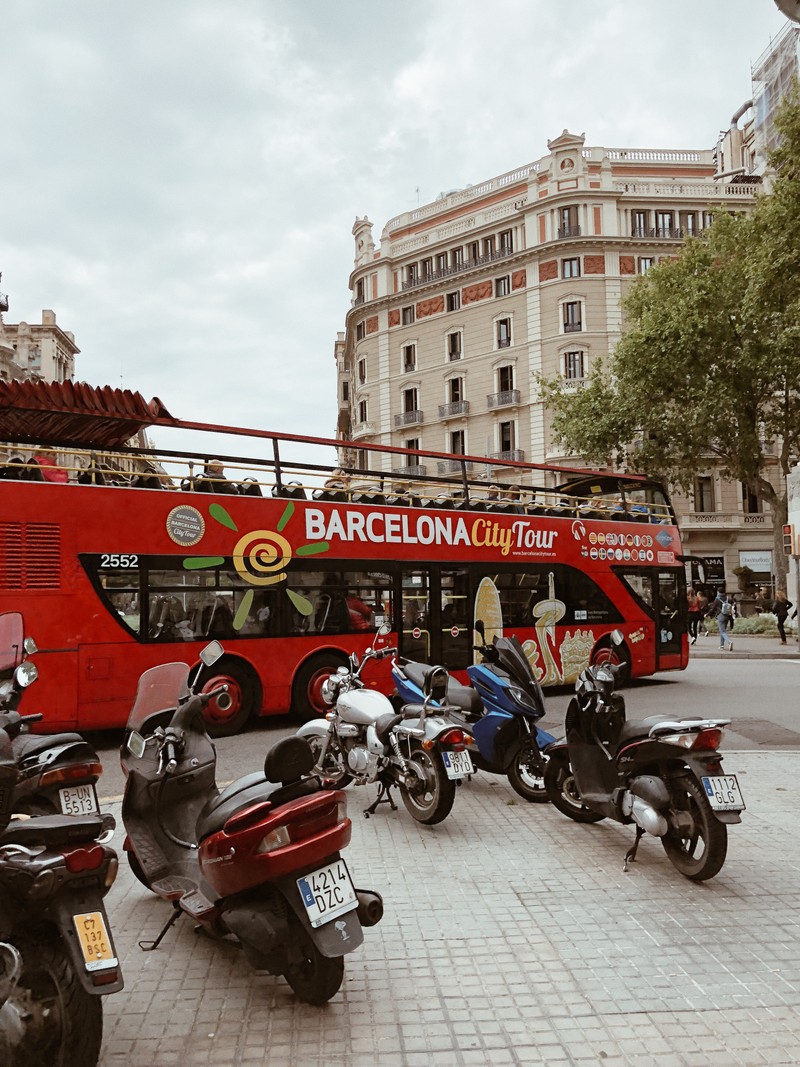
pixel 511 937
pixel 746 646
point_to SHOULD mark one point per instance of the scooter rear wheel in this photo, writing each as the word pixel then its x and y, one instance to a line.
pixel 314 978
pixel 49 1018
pixel 698 850
pixel 524 780
pixel 563 792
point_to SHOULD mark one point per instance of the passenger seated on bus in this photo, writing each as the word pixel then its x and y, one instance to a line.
pixel 51 472
pixel 19 468
pixel 214 480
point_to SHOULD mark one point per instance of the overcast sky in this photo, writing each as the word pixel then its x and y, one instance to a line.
pixel 179 178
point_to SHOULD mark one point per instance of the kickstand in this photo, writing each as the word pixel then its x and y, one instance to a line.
pixel 384 797
pixel 148 946
pixel 630 855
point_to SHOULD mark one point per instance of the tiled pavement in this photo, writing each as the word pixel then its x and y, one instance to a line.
pixel 511 936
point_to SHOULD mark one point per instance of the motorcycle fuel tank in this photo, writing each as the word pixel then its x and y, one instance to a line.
pixel 363 706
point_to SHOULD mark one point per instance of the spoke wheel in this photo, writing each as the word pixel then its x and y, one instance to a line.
pixel 525 779
pixel 563 792
pixel 333 769
pixel 313 977
pixel 49 1018
pixel 430 794
pixel 696 842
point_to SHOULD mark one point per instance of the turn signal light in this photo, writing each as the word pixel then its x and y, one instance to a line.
pixel 278 838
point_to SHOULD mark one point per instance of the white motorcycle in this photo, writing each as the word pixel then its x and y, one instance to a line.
pixel 362 739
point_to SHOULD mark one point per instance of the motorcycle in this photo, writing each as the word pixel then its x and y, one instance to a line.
pixel 661 773
pixel 58 773
pixel 498 712
pixel 364 739
pixel 57 955
pixel 259 860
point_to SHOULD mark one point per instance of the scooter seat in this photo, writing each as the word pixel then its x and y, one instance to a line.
pixel 462 696
pixel 30 744
pixel 640 728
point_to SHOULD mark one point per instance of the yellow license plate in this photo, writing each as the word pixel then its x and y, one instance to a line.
pixel 94 941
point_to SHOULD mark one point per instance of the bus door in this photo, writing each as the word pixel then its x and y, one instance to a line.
pixel 663 596
pixel 437 616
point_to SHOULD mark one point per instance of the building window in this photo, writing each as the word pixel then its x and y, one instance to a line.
pixel 362 371
pixel 488 246
pixel 708 218
pixel 704 493
pixel 408 315
pixel 453 300
pixel 362 411
pixel 412 444
pixel 361 331
pixel 409 358
pixel 410 400
pixel 568 222
pixel 458 442
pixel 688 223
pixel 572 316
pixel 427 269
pixel 345 391
pixel 506 436
pixel 454 346
pixel 441 261
pixel 412 273
pixel 362 460
pixel 474 249
pixel 457 257
pixel 574 365
pixel 663 224
pixel 505 379
pixel 507 242
pixel 503 333
pixel 639 224
pixel 502 286
pixel 455 390
pixel 571 268
pixel 751 502
pixel 360 291
pixel 644 263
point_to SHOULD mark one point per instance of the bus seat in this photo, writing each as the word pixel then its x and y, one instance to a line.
pixel 290 490
pixel 330 496
pixel 368 496
pixel 250 487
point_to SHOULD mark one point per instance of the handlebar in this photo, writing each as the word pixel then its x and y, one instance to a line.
pixel 12 722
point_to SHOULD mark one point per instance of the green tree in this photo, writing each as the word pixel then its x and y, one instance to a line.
pixel 709 359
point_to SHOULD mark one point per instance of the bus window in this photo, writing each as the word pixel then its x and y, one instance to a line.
pixel 552 593
pixel 342 601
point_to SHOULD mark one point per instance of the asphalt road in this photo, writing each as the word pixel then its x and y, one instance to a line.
pixel 759 696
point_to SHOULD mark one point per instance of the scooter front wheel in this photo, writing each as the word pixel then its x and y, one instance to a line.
pixel 313 977
pixel 696 843
pixel 430 794
pixel 523 776
pixel 563 792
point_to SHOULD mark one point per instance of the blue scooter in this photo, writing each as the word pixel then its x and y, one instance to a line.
pixel 499 711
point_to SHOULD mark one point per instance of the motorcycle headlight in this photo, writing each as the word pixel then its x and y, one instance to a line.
pixel 25 674
pixel 519 696
pixel 329 689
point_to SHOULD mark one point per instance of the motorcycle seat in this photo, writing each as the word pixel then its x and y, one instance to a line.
pixel 462 696
pixel 53 830
pixel 385 724
pixel 634 729
pixel 30 744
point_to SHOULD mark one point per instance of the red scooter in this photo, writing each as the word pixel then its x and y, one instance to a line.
pixel 259 860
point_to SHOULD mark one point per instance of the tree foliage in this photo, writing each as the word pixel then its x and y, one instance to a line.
pixel 709 359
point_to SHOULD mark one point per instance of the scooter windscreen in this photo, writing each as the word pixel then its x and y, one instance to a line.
pixel 158 690
pixel 515 662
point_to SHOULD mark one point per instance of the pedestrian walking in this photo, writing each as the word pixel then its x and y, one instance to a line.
pixel 781 607
pixel 693 609
pixel 702 602
pixel 721 609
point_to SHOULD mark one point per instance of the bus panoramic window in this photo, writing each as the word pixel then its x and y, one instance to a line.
pixel 640 583
pixel 550 594
pixel 340 602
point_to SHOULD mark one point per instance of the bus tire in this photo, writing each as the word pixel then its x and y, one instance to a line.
pixel 605 651
pixel 307 700
pixel 243 689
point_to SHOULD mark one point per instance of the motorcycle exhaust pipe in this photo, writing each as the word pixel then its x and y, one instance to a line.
pixel 370 907
pixel 11 970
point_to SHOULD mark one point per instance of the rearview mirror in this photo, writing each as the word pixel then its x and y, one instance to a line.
pixel 211 653
pixel 480 628
pixel 618 637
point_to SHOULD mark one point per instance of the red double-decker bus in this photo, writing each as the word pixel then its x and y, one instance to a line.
pixel 122 556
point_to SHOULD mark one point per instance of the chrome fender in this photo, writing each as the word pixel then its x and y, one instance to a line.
pixel 314 728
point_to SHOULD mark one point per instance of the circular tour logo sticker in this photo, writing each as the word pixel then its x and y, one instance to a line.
pixel 185 525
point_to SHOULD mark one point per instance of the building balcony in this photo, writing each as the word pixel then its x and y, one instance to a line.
pixel 407 418
pixel 573 327
pixel 573 385
pixel 458 407
pixel 694 521
pixel 363 429
pixel 414 470
pixel 516 455
pixel 505 399
pixel 452 466
pixel 458 268
pixel 568 231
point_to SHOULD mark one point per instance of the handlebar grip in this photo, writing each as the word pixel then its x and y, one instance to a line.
pixel 172 759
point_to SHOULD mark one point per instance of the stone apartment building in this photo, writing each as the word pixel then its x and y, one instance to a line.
pixel 469 299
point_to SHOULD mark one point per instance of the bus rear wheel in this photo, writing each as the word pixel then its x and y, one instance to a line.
pixel 243 689
pixel 605 651
pixel 307 702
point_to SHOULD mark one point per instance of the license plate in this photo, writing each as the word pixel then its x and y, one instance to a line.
pixel 723 792
pixel 94 941
pixel 457 764
pixel 78 800
pixel 327 893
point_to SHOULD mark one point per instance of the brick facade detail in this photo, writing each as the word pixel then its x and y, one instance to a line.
pixel 471 294
pixel 627 265
pixel 519 279
pixel 434 306
pixel 394 317
pixel 594 264
pixel 548 271
pixel 371 324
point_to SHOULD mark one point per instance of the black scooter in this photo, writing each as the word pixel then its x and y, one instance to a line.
pixel 660 773
pixel 58 773
pixel 57 955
